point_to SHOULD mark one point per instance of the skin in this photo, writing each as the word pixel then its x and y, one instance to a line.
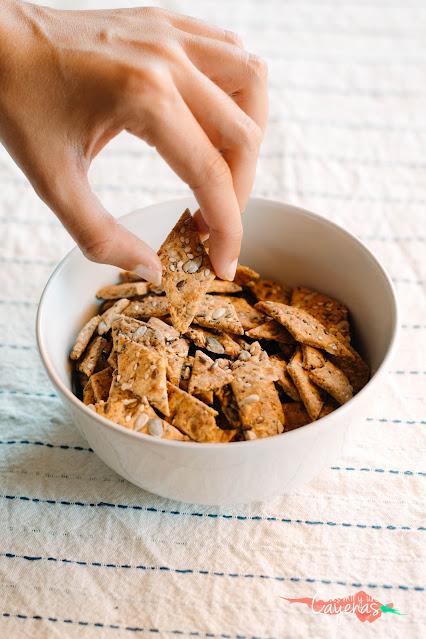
pixel 70 81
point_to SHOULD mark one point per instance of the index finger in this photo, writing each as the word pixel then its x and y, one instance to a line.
pixel 184 145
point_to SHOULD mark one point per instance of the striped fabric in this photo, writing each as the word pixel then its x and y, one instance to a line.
pixel 85 554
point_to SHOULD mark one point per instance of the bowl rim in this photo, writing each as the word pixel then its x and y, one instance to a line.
pixel 266 441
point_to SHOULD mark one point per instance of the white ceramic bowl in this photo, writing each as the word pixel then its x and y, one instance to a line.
pixel 282 242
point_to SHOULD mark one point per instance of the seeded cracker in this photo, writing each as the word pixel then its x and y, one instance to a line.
pixel 186 373
pixel 84 337
pixel 187 271
pixel 218 313
pixel 218 343
pixel 193 417
pixel 229 406
pixel 176 348
pixel 98 386
pixel 355 369
pixel 284 379
pixel 126 289
pixel 110 315
pixel 312 357
pixel 129 276
pixel 265 290
pixel 330 312
pixel 256 396
pixel 248 316
pixel 309 393
pixel 143 371
pixel 244 275
pixel 223 287
pixel 150 306
pixel 93 354
pixel 271 330
pixel 332 380
pixel 305 328
pixel 295 415
pixel 208 374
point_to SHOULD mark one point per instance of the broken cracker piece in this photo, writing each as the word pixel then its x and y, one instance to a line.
pixel 247 314
pixel 192 417
pixel 143 371
pixel 229 406
pixel 176 348
pixel 305 328
pixel 111 314
pixel 312 357
pixel 224 287
pixel 208 374
pixel 84 337
pixel 333 381
pixel 244 275
pixel 308 392
pixel 98 386
pixel 129 276
pixel 149 306
pixel 265 290
pixel 295 415
pixel 126 289
pixel 284 379
pixel 355 369
pixel 330 312
pixel 218 312
pixel 187 271
pixel 97 349
pixel 271 330
pixel 218 343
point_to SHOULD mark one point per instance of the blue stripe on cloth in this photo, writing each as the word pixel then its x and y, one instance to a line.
pixel 11 442
pixel 408 473
pixel 393 471
pixel 199 571
pixel 110 626
pixel 207 515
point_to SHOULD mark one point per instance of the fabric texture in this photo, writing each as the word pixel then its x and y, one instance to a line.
pixel 85 554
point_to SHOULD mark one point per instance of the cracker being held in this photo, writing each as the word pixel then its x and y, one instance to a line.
pixel 187 271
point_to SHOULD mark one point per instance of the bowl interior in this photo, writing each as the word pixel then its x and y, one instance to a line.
pixel 280 241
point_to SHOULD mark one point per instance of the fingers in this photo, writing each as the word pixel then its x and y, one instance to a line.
pixel 178 137
pixel 195 26
pixel 228 127
pixel 100 237
pixel 235 71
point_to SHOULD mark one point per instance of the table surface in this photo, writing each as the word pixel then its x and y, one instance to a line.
pixel 346 138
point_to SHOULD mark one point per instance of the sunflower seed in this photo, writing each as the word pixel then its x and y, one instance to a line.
pixel 244 356
pixel 218 313
pixel 214 345
pixel 207 272
pixel 155 427
pixel 250 399
pixel 141 421
pixel 140 331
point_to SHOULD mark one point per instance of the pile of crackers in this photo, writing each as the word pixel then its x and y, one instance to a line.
pixel 206 360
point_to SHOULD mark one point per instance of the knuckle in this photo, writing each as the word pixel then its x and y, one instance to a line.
pixel 233 38
pixel 214 171
pixel 249 134
pixel 257 67
pixel 98 248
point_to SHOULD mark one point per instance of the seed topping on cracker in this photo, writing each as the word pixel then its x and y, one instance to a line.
pixel 206 360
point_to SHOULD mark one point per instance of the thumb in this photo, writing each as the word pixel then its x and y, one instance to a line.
pixel 100 237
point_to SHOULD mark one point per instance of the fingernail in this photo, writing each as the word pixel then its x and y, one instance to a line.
pixel 149 273
pixel 229 271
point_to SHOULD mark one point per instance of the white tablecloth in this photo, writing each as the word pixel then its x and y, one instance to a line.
pixel 347 138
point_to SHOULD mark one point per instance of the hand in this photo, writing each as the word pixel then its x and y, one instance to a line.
pixel 72 80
